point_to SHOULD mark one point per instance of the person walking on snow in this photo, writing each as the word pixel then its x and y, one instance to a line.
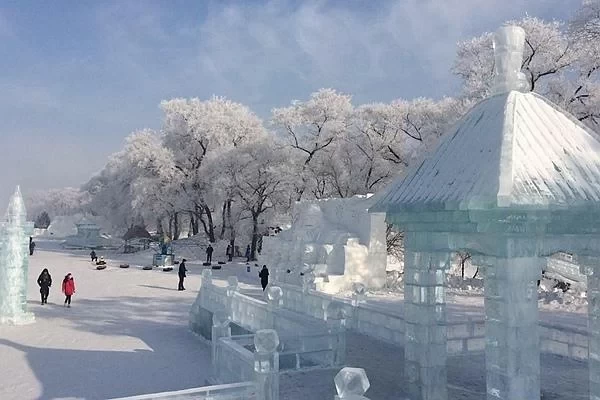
pixel 209 251
pixel 93 256
pixel 45 281
pixel 248 253
pixel 182 271
pixel 68 288
pixel 229 252
pixel 31 246
pixel 264 277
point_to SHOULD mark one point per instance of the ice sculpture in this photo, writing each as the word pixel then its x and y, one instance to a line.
pixel 509 42
pixel 14 260
pixel 522 183
pixel 331 243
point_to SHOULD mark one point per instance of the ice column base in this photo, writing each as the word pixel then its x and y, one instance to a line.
pixel 425 325
pixel 512 349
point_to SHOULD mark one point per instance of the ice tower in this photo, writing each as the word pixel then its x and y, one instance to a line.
pixel 14 260
pixel 515 181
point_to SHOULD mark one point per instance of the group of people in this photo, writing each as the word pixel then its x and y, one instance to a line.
pixel 230 253
pixel 263 275
pixel 45 282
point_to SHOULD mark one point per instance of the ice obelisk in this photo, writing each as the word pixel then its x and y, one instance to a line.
pixel 14 261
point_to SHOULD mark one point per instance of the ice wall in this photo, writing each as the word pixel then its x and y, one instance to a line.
pixel 14 261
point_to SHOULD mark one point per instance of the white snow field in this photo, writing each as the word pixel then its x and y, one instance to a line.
pixel 127 334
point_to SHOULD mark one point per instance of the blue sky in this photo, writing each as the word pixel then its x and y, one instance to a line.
pixel 77 76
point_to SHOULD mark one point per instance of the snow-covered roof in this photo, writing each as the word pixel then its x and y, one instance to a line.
pixel 511 150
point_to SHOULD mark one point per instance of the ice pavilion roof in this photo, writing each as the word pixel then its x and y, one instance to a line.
pixel 511 150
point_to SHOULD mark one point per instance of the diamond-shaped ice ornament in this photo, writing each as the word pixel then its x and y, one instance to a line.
pixel 266 340
pixel 274 295
pixel 350 382
pixel 359 288
pixel 335 311
pixel 220 318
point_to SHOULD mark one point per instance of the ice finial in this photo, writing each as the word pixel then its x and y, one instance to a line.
pixel 16 207
pixel 509 43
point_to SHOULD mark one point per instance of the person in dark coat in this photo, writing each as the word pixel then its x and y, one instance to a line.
pixel 182 271
pixel 248 253
pixel 31 246
pixel 264 277
pixel 209 251
pixel 93 256
pixel 45 281
pixel 229 252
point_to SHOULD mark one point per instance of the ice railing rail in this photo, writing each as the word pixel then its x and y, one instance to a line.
pixel 350 384
pixel 465 335
pixel 308 341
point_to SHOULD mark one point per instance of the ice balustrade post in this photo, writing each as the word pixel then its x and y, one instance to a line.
pixel 351 384
pixel 220 329
pixel 590 266
pixel 358 296
pixel 512 341
pixel 232 288
pixel 266 364
pixel 205 284
pixel 274 301
pixel 336 325
pixel 425 323
pixel 308 279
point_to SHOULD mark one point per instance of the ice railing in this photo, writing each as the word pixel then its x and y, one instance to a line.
pixel 310 342
pixel 234 391
pixel 466 335
pixel 350 383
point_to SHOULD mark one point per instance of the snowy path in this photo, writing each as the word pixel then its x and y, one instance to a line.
pixel 125 334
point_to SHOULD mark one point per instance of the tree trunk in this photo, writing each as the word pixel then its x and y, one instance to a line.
pixel 159 227
pixel 191 225
pixel 176 226
pixel 254 236
pixel 223 220
pixel 211 225
pixel 196 224
pixel 230 226
pixel 170 232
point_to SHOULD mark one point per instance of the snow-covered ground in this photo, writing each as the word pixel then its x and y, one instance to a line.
pixel 127 334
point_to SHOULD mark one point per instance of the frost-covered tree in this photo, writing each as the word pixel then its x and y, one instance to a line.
pixel 193 130
pixel 43 220
pixel 384 139
pixel 259 176
pixel 560 63
pixel 59 201
pixel 312 129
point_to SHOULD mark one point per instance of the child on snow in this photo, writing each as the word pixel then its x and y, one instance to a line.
pixel 68 288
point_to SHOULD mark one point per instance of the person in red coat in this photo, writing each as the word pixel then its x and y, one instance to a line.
pixel 68 288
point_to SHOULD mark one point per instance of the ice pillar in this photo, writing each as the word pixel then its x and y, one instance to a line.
pixel 512 349
pixel 14 262
pixel 590 266
pixel 425 329
pixel 266 364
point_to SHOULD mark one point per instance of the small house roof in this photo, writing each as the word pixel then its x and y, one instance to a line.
pixel 513 149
